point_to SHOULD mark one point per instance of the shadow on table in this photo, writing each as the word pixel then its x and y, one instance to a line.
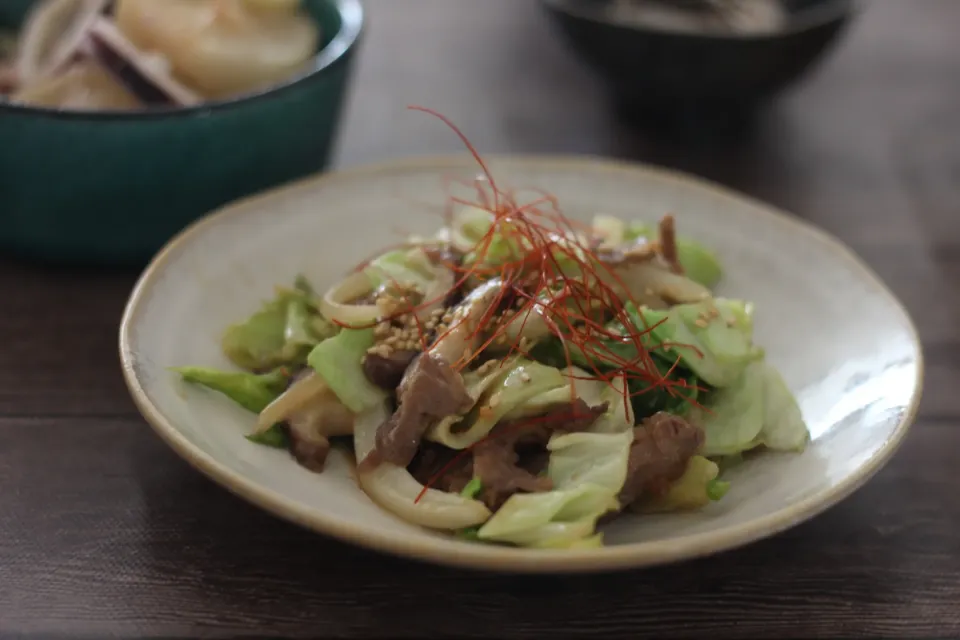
pixel 225 561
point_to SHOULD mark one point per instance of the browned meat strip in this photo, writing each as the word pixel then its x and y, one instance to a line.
pixel 510 460
pixel 430 390
pixel 311 452
pixel 496 460
pixel 433 463
pixel 662 446
pixel 387 371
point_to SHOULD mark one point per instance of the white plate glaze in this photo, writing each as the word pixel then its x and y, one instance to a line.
pixel 845 346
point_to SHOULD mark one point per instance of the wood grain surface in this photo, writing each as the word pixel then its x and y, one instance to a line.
pixel 104 532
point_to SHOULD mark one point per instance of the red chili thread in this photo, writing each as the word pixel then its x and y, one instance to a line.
pixel 581 296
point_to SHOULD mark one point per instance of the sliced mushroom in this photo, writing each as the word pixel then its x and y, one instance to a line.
pixel 462 337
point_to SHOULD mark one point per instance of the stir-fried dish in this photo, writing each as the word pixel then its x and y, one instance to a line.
pixel 133 54
pixel 518 376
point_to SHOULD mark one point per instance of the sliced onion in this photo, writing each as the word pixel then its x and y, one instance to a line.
pixel 84 86
pixel 300 393
pixel 337 306
pixel 394 489
pixel 221 47
pixel 54 32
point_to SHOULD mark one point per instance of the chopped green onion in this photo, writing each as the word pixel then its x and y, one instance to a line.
pixel 716 489
pixel 473 488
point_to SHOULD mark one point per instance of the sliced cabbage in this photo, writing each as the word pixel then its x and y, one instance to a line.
pixel 281 332
pixel 593 392
pixel 407 267
pixel 339 361
pixel 403 267
pixel 251 391
pixel 509 242
pixel 757 409
pixel 697 487
pixel 394 489
pixel 699 263
pixel 476 384
pixel 414 267
pixel 716 334
pixel 588 471
pixel 512 389
pixel 610 230
pixel 469 226
pixel 784 428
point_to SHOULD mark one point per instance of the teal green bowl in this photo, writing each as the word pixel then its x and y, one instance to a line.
pixel 113 187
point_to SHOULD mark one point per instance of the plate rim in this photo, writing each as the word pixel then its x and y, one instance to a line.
pixel 467 555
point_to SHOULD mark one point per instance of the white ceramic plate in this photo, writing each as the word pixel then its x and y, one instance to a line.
pixel 843 342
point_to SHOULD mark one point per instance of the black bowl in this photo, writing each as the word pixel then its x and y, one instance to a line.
pixel 656 71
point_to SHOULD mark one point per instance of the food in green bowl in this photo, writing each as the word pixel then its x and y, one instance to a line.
pixel 121 126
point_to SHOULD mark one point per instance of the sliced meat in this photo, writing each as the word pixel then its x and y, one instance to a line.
pixel 387 371
pixel 430 391
pixel 496 460
pixel 662 446
pixel 441 467
pixel 310 451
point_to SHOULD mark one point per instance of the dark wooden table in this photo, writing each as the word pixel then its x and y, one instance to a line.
pixel 105 532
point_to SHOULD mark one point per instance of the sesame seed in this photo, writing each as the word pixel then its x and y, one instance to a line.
pixel 494 401
pixel 525 376
pixel 700 322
